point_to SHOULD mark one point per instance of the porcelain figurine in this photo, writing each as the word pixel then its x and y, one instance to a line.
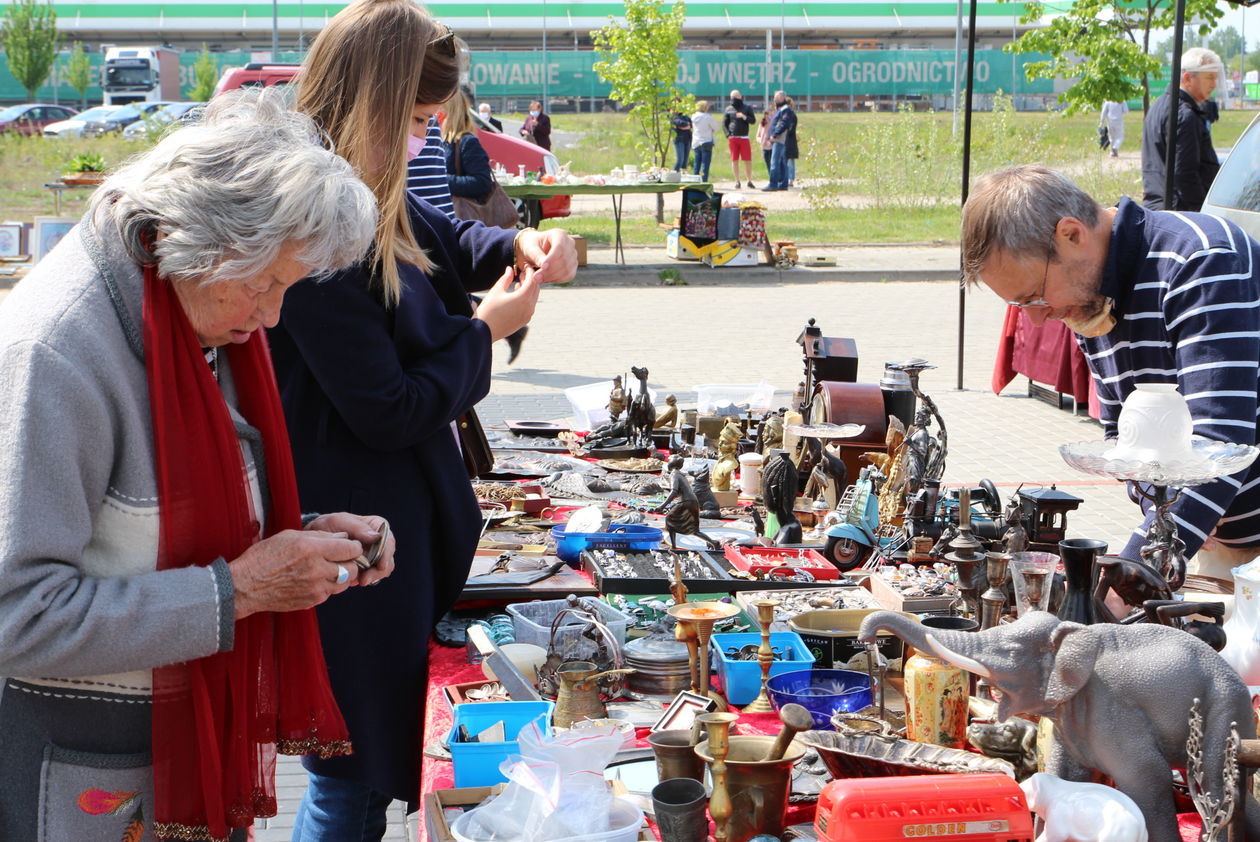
pixel 683 517
pixel 668 417
pixel 1242 645
pixel 616 399
pixel 1119 697
pixel 1083 812
pixel 728 456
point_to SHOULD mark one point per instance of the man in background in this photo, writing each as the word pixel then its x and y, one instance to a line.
pixel 483 111
pixel 1195 160
pixel 783 122
pixel 736 123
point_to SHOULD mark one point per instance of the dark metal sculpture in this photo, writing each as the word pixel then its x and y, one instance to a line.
pixel 700 485
pixel 642 414
pixel 925 451
pixel 779 482
pixel 683 517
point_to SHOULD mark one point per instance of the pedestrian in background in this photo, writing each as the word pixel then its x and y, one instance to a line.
pixel 1196 161
pixel 793 151
pixel 737 123
pixel 537 126
pixel 702 131
pixel 483 111
pixel 783 122
pixel 1112 116
pixel 763 138
pixel 681 124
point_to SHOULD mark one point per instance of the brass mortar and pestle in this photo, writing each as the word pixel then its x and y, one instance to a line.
pixel 578 696
pixel 752 774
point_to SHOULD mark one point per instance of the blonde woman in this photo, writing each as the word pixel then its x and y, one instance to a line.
pixel 374 366
pixel 702 130
pixel 468 170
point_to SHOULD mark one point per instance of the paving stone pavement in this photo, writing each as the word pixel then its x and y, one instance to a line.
pixel 744 333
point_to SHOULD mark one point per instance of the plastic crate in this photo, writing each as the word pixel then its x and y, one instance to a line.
pixel 477 764
pixel 532 621
pixel 629 537
pixel 761 560
pixel 741 680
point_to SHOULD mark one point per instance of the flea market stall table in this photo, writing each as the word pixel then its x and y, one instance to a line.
pixel 1045 353
pixel 531 194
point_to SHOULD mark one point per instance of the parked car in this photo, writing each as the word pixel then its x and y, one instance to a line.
pixel 123 117
pixel 155 122
pixel 256 75
pixel 514 152
pixel 1235 192
pixel 33 117
pixel 73 127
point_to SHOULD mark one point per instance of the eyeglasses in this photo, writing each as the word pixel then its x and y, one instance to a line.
pixel 446 40
pixel 1040 301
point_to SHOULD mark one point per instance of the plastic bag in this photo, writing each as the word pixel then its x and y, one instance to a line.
pixel 556 789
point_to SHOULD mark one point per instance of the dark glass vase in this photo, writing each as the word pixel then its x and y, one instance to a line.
pixel 1078 556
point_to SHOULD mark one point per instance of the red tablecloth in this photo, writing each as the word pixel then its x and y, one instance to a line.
pixel 1047 354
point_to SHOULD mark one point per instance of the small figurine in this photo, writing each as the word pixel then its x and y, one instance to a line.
pixel 728 460
pixel 642 414
pixel 1016 536
pixel 779 482
pixel 668 419
pixel 700 484
pixel 684 516
pixel 770 433
pixel 1014 741
pixel 616 399
pixel 1083 812
pixel 829 476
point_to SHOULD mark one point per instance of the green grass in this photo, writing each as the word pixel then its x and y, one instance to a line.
pixel 28 163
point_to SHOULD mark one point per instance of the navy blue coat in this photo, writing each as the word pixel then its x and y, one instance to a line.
pixel 369 393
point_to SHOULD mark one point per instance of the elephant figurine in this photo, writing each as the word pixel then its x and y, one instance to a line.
pixel 1119 698
pixel 1082 812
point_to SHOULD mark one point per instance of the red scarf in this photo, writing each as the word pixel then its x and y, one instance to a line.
pixel 219 721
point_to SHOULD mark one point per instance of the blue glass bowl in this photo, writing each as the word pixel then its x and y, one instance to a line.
pixel 822 692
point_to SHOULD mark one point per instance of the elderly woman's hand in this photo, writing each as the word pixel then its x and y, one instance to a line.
pixel 366 530
pixel 293 570
pixel 551 254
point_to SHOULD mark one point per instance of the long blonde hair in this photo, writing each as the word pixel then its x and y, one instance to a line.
pixel 458 121
pixel 370 65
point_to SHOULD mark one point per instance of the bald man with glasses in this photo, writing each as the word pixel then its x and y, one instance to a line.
pixel 1154 297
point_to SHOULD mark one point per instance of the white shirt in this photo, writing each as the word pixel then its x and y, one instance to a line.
pixel 702 128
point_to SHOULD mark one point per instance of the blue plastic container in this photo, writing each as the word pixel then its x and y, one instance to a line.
pixel 628 537
pixel 741 680
pixel 822 692
pixel 477 764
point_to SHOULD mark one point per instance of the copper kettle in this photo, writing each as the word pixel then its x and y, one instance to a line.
pixel 578 696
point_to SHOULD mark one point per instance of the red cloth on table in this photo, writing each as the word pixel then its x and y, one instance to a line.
pixel 1047 354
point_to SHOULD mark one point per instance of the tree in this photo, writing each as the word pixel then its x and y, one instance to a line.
pixel 205 76
pixel 79 72
pixel 638 59
pixel 1106 44
pixel 29 35
pixel 1226 43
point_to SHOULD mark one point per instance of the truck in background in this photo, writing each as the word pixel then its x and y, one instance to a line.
pixel 140 74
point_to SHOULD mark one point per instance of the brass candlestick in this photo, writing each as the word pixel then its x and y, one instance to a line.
pixel 765 655
pixel 965 553
pixel 684 630
pixel 994 599
pixel 701 616
pixel 719 725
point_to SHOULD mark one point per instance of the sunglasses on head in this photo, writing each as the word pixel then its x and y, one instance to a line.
pixel 445 41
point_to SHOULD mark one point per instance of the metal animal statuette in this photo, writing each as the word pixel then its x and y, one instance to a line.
pixel 683 517
pixel 1014 741
pixel 709 507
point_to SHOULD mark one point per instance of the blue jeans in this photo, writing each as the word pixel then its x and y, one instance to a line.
pixel 682 154
pixel 791 170
pixel 704 157
pixel 334 810
pixel 778 167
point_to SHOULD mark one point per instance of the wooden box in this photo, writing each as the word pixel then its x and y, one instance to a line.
pixel 441 799
pixel 890 597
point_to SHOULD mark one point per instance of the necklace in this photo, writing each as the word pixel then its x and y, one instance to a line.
pixel 212 360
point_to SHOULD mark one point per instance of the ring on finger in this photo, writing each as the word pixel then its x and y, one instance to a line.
pixel 343 574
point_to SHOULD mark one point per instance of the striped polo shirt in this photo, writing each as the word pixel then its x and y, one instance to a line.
pixel 426 173
pixel 1187 308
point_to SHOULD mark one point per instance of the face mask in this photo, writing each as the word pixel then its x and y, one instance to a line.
pixel 737 102
pixel 533 113
pixel 1096 326
pixel 414 145
pixel 778 103
pixel 485 115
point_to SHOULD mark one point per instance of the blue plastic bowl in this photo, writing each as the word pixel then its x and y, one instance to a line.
pixel 822 692
pixel 628 537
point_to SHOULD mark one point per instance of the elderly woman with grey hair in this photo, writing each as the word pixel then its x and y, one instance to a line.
pixel 156 573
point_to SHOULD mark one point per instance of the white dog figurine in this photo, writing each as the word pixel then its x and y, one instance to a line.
pixel 1080 812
